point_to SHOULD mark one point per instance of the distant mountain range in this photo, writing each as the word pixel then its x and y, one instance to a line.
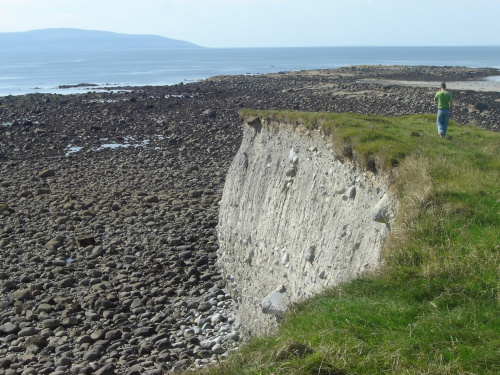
pixel 85 40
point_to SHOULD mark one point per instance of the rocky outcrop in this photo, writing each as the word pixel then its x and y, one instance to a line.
pixel 294 220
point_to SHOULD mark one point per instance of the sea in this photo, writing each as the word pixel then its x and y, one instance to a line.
pixel 44 72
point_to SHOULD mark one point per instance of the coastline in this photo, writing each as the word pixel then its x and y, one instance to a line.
pixel 109 203
pixel 21 72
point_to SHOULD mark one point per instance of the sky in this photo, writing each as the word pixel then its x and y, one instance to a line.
pixel 271 23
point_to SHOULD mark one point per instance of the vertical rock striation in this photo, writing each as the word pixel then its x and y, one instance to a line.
pixel 294 219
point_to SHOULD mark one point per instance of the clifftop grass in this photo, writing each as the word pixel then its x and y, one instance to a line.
pixel 433 307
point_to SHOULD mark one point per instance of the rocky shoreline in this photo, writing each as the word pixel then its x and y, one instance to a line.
pixel 109 206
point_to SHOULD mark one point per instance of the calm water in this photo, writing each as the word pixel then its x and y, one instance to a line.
pixel 22 73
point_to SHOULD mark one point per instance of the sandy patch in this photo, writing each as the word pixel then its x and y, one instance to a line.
pixel 486 85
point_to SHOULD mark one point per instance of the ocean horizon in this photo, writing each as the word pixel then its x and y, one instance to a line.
pixel 44 72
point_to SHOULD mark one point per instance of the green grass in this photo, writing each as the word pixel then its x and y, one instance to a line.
pixel 434 306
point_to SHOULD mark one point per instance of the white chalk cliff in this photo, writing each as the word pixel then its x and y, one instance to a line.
pixel 294 219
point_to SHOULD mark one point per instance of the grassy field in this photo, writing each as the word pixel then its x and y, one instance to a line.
pixel 433 307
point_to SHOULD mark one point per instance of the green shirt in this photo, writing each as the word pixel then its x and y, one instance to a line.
pixel 443 99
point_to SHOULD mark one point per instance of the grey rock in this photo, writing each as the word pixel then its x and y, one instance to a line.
pixel 106 370
pixel 136 303
pixel 210 113
pixel 44 307
pixel 26 332
pixel 481 106
pixel 6 361
pixel 207 344
pixel 113 335
pixel 151 199
pixel 204 306
pixel 84 241
pixel 92 355
pixel 135 370
pixel 51 323
pixel 9 284
pixel 310 253
pixel 64 361
pixel 351 193
pixel 380 212
pixel 85 339
pixel 47 173
pixel 144 331
pixel 78 369
pixel 195 194
pixel 291 172
pixel 66 283
pixel 216 318
pixel 22 295
pixel 54 244
pixel 9 328
pixel 218 349
pixel 275 303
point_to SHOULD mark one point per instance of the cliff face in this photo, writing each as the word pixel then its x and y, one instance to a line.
pixel 293 220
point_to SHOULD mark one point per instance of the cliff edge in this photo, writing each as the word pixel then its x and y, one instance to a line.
pixel 295 219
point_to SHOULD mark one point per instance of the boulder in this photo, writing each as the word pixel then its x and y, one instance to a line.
pixel 47 173
pixel 481 106
pixel 210 113
pixel 9 328
pixel 85 241
pixel 275 303
pixel 380 213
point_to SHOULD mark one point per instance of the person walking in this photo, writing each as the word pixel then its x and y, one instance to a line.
pixel 445 106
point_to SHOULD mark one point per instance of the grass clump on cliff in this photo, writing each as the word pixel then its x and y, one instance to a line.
pixel 434 306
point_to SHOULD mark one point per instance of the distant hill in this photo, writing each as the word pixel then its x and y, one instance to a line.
pixel 85 40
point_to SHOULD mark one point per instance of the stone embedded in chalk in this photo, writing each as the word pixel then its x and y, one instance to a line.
pixel 275 303
pixel 285 259
pixel 330 173
pixel 309 254
pixel 340 190
pixel 249 256
pixel 380 213
pixel 351 193
pixel 291 172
